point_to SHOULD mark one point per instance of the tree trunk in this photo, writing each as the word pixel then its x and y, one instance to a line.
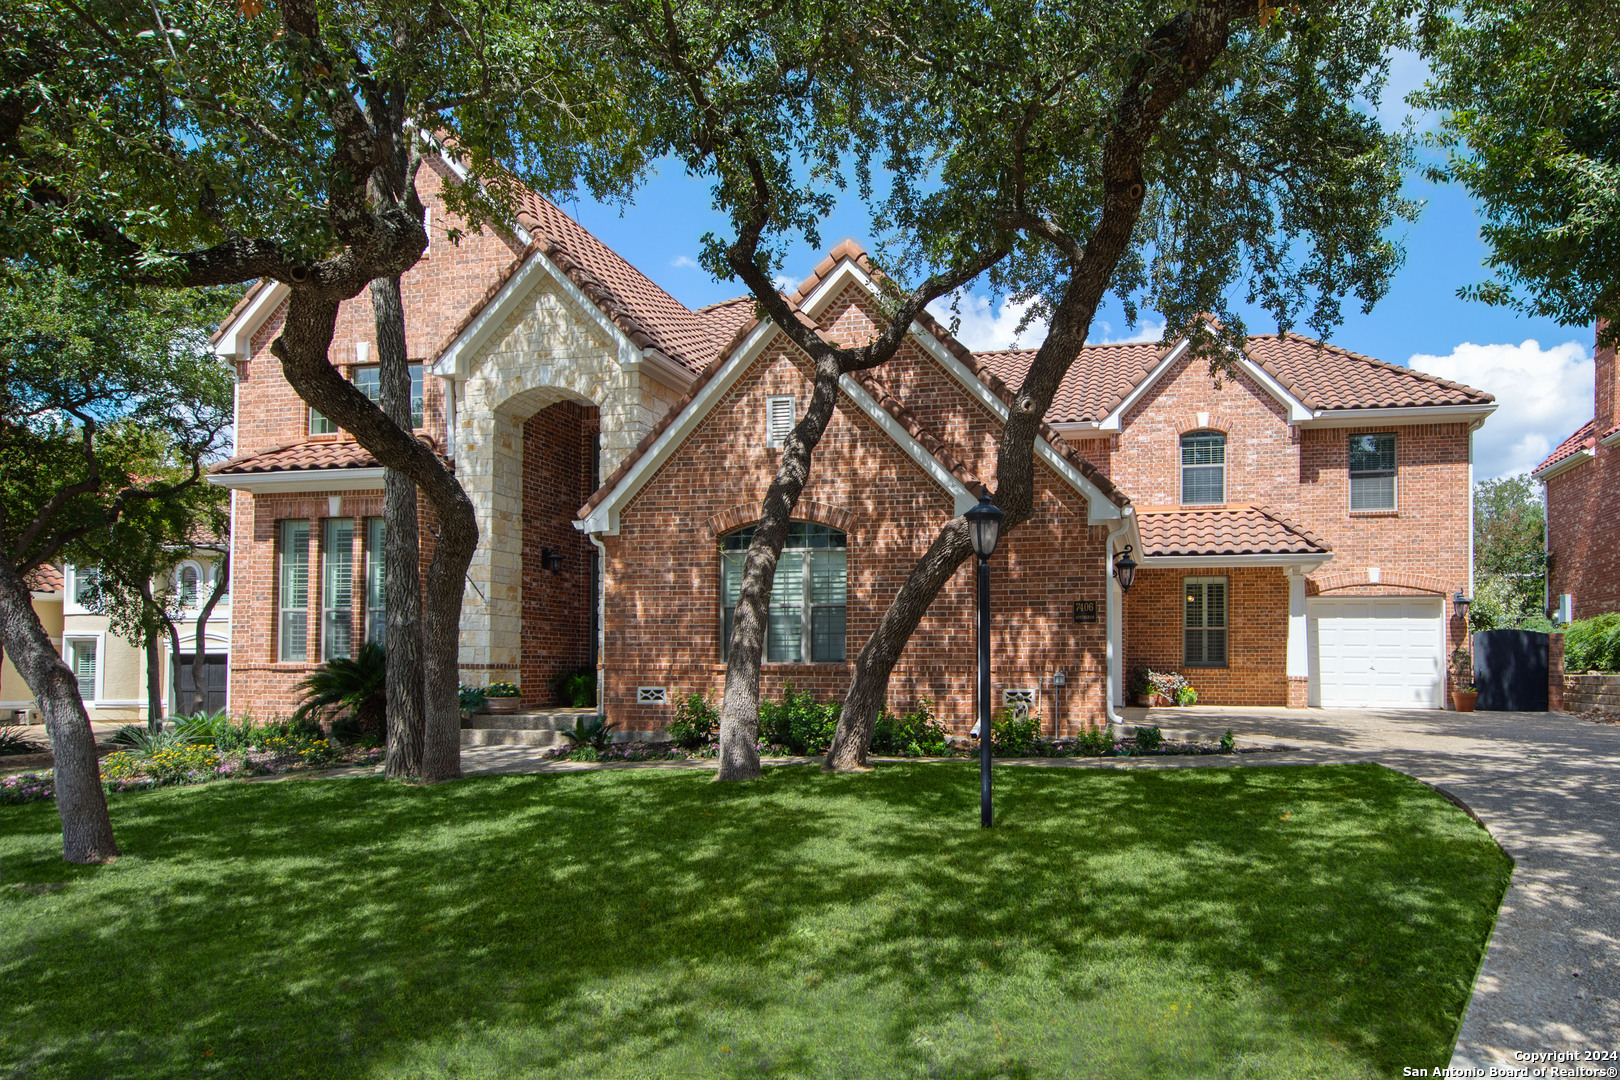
pixel 199 652
pixel 154 680
pixel 302 346
pixel 402 576
pixel 87 833
pixel 739 710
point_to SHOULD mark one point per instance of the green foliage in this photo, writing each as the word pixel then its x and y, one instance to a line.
pixel 1141 680
pixel 1228 742
pixel 1531 121
pixel 14 742
pixel 502 689
pixel 1186 695
pixel 1094 742
pixel 21 788
pixel 173 764
pixel 1149 738
pixel 1012 735
pixel 143 741
pixel 576 689
pixel 916 734
pixel 1593 644
pixel 471 698
pixel 347 686
pixel 798 723
pixel 696 724
pixel 590 731
pixel 1509 557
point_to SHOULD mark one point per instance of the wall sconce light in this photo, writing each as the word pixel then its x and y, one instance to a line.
pixel 551 559
pixel 1125 569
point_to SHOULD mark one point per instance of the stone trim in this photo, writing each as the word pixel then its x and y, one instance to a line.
pixel 1393 579
pixel 1214 422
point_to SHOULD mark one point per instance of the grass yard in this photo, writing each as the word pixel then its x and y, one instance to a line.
pixel 1244 922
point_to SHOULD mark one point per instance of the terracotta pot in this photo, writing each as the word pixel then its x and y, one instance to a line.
pixel 1464 699
pixel 1158 701
pixel 503 706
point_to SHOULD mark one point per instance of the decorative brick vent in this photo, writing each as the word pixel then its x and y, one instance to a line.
pixel 652 695
pixel 1021 702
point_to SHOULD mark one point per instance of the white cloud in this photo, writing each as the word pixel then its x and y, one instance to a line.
pixel 1542 396
pixel 986 326
pixel 684 262
pixel 784 283
pixel 1102 333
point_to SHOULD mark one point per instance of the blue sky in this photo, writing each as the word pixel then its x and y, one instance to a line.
pixel 1540 372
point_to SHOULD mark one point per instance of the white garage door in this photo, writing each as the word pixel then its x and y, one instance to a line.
pixel 1377 651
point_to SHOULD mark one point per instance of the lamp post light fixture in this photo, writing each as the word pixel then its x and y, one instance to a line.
pixel 1125 569
pixel 984 528
pixel 1460 603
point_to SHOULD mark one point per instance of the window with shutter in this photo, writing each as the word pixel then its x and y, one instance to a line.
pixel 806 613
pixel 1372 472
pixel 82 653
pixel 293 591
pixel 337 588
pixel 779 420
pixel 1204 622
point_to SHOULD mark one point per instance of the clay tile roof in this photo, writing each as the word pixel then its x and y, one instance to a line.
pixel 45 578
pixel 1321 376
pixel 727 317
pixel 1224 530
pixel 1585 438
pixel 304 455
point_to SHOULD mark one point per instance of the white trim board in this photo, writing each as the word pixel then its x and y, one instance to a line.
pixel 295 481
pixel 1099 507
pixel 1579 457
pixel 1304 564
pixel 236 340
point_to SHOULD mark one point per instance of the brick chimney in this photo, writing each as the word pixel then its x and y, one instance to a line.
pixel 1607 409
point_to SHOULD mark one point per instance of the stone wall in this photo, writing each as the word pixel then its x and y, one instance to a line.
pixel 1583 692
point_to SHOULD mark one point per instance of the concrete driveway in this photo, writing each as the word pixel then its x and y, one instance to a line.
pixel 1548 787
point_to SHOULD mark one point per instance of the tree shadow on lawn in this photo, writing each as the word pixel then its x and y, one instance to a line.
pixel 1178 922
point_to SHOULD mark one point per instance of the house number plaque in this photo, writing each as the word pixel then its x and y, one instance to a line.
pixel 1085 611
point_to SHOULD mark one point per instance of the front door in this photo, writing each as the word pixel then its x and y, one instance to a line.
pixel 217 673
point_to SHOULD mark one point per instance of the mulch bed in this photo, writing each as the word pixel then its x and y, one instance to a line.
pixel 1600 715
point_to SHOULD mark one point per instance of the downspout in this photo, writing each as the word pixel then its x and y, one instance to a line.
pixel 1113 632
pixel 1471 429
pixel 601 624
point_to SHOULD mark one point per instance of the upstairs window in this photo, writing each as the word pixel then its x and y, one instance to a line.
pixel 1203 468
pixel 806 616
pixel 1372 472
pixel 1204 622
pixel 319 424
pixel 186 582
pixel 85 582
pixel 368 380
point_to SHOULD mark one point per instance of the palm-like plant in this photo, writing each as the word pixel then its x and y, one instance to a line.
pixel 592 731
pixel 348 685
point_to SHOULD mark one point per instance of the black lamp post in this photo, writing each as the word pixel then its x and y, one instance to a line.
pixel 984 526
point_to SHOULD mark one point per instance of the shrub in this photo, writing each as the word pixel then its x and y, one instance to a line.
pixel 592 731
pixel 1141 680
pixel 178 764
pixel 1094 742
pixel 576 689
pixel 471 698
pixel 1149 738
pixel 347 685
pixel 1593 644
pixel 14 741
pixel 799 723
pixel 232 735
pixel 1016 736
pixel 1169 684
pixel 696 724
pixel 1228 742
pixel 916 734
pixel 346 730
pixel 1186 695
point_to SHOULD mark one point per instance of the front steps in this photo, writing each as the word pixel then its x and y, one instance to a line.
pixel 536 728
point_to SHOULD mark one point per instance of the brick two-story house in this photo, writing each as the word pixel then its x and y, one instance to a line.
pixel 1299 526
pixel 1581 479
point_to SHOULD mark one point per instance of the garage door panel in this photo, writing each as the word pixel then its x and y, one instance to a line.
pixel 1376 651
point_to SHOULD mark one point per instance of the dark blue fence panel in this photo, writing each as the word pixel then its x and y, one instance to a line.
pixel 1510 670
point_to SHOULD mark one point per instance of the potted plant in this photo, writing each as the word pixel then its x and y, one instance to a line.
pixel 1463 694
pixel 1141 687
pixel 502 698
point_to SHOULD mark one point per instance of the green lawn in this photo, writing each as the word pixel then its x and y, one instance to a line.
pixel 1244 922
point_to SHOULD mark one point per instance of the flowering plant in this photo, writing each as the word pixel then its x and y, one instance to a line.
pixel 27 788
pixel 501 689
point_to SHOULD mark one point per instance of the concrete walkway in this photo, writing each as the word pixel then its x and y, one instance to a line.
pixel 1545 784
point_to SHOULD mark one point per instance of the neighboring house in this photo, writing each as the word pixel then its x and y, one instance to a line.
pixel 111 671
pixel 1581 479
pixel 16 700
pixel 1301 526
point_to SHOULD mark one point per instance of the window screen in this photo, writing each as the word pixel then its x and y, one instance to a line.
pixel 806 614
pixel 1203 467
pixel 1372 472
pixel 1204 622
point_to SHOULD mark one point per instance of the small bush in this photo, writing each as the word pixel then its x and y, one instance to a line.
pixel 576 689
pixel 1093 742
pixel 471 698
pixel 696 724
pixel 1593 644
pixel 798 723
pixel 1016 736
pixel 15 742
pixel 179 764
pixel 590 731
pixel 1186 696
pixel 916 734
pixel 1228 742
pixel 347 730
pixel 27 788
pixel 1149 738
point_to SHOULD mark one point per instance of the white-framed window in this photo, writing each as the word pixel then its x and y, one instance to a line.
pixel 779 419
pixel 188 582
pixel 292 628
pixel 337 588
pixel 376 604
pixel 1372 472
pixel 319 424
pixel 83 656
pixel 1204 621
pixel 808 595
pixel 80 584
pixel 368 380
pixel 1203 468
